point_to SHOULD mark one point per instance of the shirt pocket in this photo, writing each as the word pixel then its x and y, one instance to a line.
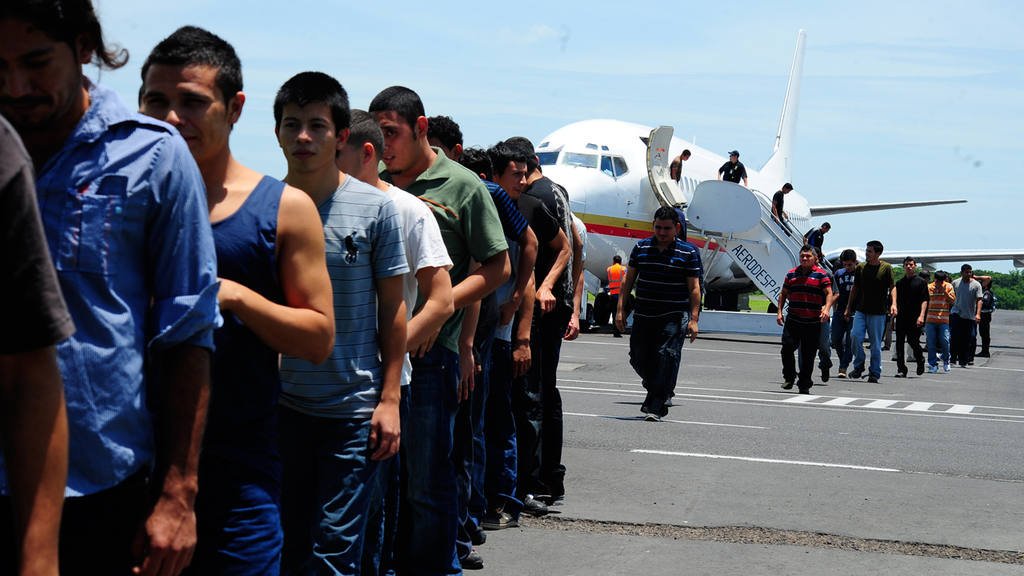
pixel 90 224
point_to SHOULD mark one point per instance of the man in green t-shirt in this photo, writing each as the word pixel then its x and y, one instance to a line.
pixel 428 514
pixel 872 284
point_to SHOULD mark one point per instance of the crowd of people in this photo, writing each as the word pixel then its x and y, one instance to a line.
pixel 862 301
pixel 351 370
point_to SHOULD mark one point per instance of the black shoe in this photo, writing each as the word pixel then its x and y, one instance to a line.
pixel 855 374
pixel 476 533
pixel 901 373
pixel 824 373
pixel 982 354
pixel 873 379
pixel 652 417
pixel 472 561
pixel 805 390
pixel 788 385
pixel 534 507
pixel 920 367
pixel 498 520
pixel 617 334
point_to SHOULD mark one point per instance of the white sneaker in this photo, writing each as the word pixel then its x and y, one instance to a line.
pixel 945 368
pixel 933 369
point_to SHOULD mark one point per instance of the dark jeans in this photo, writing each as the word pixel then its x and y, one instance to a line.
pixel 655 345
pixel 501 464
pixel 96 531
pixel 962 335
pixel 985 330
pixel 538 408
pixel 911 334
pixel 841 339
pixel 428 516
pixel 328 489
pixel 804 337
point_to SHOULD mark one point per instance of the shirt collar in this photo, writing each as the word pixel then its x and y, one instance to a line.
pixel 105 110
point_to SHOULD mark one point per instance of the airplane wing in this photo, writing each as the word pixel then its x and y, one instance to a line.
pixel 931 257
pixel 847 208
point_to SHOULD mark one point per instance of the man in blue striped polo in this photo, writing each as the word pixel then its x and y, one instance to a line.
pixel 666 272
pixel 809 291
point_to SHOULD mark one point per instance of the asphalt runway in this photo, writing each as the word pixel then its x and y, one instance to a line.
pixel 906 476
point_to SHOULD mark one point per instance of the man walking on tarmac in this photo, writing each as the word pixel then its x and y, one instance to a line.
pixel 615 273
pixel 809 291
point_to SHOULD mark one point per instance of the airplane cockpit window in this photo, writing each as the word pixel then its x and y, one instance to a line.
pixel 547 158
pixel 582 160
pixel 620 165
pixel 606 165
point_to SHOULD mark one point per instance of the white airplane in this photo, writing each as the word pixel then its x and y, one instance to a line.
pixel 616 174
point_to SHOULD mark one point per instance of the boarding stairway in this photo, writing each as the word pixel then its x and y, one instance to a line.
pixel 737 223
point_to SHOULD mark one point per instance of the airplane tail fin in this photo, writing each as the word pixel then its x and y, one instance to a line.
pixel 779 168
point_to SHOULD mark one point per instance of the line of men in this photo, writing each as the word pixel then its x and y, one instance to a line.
pixel 838 311
pixel 243 358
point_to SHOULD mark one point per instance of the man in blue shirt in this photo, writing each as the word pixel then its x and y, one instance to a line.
pixel 840 325
pixel 666 272
pixel 124 211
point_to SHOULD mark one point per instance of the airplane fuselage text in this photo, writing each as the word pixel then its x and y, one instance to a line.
pixel 758 273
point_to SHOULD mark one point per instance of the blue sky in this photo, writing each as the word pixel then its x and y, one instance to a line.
pixel 900 100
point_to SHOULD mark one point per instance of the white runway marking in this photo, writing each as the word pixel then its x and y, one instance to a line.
pixel 766 460
pixel 613 417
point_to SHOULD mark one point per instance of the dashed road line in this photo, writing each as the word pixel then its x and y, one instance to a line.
pixel 766 460
pixel 935 407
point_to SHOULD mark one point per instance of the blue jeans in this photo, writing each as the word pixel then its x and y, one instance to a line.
pixel 428 517
pixel 500 480
pixel 841 339
pixel 937 336
pixel 329 486
pixel 874 325
pixel 655 346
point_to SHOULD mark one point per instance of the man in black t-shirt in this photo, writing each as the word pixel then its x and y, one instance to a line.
pixel 733 170
pixel 778 203
pixel 30 385
pixel 909 307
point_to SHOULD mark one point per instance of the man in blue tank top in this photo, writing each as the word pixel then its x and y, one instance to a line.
pixel 275 296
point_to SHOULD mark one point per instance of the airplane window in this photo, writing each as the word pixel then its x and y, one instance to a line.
pixel 591 146
pixel 547 158
pixel 620 165
pixel 577 159
pixel 606 165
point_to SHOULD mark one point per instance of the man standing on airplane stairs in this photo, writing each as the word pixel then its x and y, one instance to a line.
pixel 666 272
pixel 809 291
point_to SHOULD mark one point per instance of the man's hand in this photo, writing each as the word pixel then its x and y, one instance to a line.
pixel 893 311
pixel 824 315
pixel 421 350
pixel 520 358
pixel 691 327
pixel 167 540
pixel 546 299
pixel 572 330
pixel 620 321
pixel 778 318
pixel 466 368
pixel 920 321
pixel 385 431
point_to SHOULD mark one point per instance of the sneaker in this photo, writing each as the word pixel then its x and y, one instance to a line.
pixel 472 561
pixel 920 367
pixel 872 379
pixel 805 390
pixel 982 354
pixel 856 373
pixel 476 533
pixel 498 520
pixel 534 507
pixel 933 369
pixel 900 374
pixel 668 402
pixel 824 373
pixel 841 373
pixel 945 368
pixel 652 417
pixel 788 385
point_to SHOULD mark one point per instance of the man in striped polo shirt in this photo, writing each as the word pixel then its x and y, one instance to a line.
pixel 809 291
pixel 666 272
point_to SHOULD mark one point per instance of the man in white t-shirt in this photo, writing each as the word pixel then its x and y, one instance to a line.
pixel 427 280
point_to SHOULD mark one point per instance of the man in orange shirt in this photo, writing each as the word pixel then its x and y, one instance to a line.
pixel 616 272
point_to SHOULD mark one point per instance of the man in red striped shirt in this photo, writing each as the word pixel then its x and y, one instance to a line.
pixel 809 291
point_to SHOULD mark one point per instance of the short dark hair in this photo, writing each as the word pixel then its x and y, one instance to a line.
pixel 847 255
pixel 365 129
pixel 966 268
pixel 617 259
pixel 685 153
pixel 401 100
pixel 787 186
pixel 925 275
pixel 502 153
pixel 809 248
pixel 667 213
pixel 909 259
pixel 525 147
pixel 826 225
pixel 876 246
pixel 64 21
pixel 444 129
pixel 941 275
pixel 478 160
pixel 190 45
pixel 309 87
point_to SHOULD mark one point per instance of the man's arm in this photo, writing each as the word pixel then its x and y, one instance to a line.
pixel 304 325
pixel 560 244
pixel 467 362
pixel 627 287
pixel 482 281
pixel 783 294
pixel 893 309
pixel 693 283
pixel 35 444
pixel 524 272
pixel 435 286
pixel 385 429
pixel 521 355
pixel 168 537
pixel 572 330
pixel 825 310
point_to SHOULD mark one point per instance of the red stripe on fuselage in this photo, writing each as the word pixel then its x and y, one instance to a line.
pixel 621 232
